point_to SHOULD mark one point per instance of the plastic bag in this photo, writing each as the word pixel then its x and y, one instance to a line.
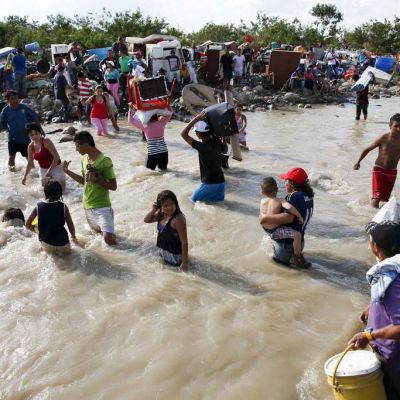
pixel 390 211
pixel 144 116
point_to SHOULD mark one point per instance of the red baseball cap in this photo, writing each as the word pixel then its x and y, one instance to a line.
pixel 297 175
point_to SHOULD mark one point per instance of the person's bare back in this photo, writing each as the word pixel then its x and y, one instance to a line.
pixel 270 206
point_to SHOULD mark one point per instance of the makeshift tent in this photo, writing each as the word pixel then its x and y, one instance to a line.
pixel 5 51
pixel 100 53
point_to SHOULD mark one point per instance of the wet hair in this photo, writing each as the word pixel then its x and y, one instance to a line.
pixel 52 190
pixel 13 213
pixel 269 185
pixel 20 50
pixel 394 118
pixel 386 236
pixel 168 195
pixel 11 93
pixel 84 137
pixel 33 126
pixel 303 187
pixel 81 74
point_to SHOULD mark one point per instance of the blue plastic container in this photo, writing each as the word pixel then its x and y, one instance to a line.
pixel 274 45
pixel 384 64
pixel 31 47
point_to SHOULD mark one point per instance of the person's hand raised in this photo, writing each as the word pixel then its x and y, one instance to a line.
pixel 65 165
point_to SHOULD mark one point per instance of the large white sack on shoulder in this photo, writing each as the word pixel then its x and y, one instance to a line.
pixel 144 116
pixel 389 212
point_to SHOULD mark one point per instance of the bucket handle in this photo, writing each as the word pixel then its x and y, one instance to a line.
pixel 347 349
pixel 334 381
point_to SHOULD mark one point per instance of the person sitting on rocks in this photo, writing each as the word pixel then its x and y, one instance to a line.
pixel 309 82
pixel 297 80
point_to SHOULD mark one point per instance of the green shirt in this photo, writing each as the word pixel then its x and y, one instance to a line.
pixel 124 64
pixel 95 195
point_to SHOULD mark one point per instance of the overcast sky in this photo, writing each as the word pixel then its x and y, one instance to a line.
pixel 190 15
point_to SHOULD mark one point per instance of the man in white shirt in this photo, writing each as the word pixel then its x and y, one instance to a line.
pixel 332 59
pixel 239 62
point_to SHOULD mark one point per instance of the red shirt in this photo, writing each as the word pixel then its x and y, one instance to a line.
pixel 99 110
pixel 43 156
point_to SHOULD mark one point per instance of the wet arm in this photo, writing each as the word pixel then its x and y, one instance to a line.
pixel 277 219
pixel 152 215
pixel 363 154
pixel 29 165
pixel 30 219
pixel 291 209
pixel 73 175
pixel 70 224
pixel 110 185
pixel 185 133
pixel 391 332
pixel 182 232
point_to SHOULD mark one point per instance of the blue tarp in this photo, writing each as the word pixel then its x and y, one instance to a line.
pixel 5 51
pixel 100 53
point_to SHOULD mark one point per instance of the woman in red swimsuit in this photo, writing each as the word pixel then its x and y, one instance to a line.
pixel 44 152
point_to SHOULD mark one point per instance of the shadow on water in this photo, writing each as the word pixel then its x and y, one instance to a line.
pixel 224 277
pixel 342 272
pixel 332 230
pixel 89 263
pixel 238 207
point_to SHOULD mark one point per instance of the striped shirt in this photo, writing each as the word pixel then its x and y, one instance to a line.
pixel 156 146
pixel 154 132
pixel 85 89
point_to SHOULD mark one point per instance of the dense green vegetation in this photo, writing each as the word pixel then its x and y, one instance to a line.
pixel 99 30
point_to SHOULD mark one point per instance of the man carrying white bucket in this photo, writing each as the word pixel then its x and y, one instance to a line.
pixel 382 316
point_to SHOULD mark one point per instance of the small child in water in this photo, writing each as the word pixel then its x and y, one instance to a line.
pixel 52 215
pixel 241 121
pixel 271 205
pixel 384 172
pixel 171 227
pixel 14 216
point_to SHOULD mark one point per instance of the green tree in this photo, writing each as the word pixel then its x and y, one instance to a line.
pixel 328 18
pixel 215 33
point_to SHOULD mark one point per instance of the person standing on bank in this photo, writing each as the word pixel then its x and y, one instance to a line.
pixel 212 187
pixel 19 65
pixel 14 118
pixel 60 87
pixel 98 178
pixel 226 63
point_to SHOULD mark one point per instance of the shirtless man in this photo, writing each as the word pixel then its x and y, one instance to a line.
pixel 271 205
pixel 384 171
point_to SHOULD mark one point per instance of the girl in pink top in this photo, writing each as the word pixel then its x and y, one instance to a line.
pixel 100 111
pixel 157 151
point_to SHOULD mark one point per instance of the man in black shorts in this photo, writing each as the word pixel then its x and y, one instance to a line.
pixel 13 118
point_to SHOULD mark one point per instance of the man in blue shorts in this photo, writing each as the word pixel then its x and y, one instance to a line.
pixel 212 187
